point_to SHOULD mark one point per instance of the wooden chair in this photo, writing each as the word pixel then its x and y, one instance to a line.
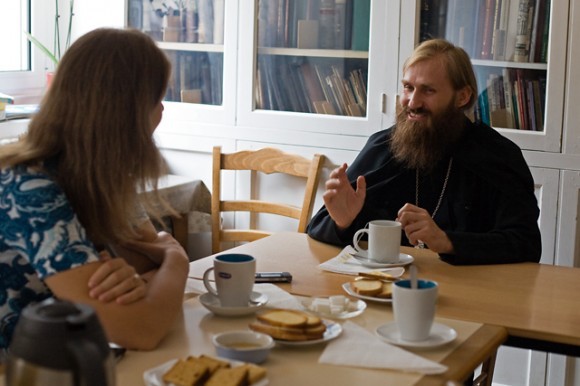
pixel 267 160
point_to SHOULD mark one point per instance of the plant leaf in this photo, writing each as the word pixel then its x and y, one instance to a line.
pixel 41 47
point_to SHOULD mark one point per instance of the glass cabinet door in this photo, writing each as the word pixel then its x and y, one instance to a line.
pixel 509 44
pixel 192 34
pixel 314 61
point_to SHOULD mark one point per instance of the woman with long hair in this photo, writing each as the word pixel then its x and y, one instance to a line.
pixel 69 192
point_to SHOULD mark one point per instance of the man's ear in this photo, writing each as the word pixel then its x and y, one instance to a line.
pixel 462 97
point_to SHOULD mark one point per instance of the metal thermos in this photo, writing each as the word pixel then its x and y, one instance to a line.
pixel 59 343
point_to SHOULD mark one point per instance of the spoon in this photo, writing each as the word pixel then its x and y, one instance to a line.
pixel 413 275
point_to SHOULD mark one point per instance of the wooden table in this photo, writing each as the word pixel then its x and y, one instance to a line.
pixel 299 365
pixel 536 303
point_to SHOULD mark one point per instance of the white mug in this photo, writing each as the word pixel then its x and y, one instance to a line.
pixel 384 241
pixel 414 308
pixel 234 277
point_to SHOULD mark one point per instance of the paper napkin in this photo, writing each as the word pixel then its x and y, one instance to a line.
pixel 359 348
pixel 346 264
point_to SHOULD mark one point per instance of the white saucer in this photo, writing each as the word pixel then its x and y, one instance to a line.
pixel 363 258
pixel 212 303
pixel 440 335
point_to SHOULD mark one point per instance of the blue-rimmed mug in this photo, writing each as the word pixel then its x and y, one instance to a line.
pixel 234 275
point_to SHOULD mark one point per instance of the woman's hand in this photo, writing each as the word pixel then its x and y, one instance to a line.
pixel 116 280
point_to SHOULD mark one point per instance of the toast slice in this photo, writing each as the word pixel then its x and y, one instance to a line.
pixel 213 364
pixel 285 318
pixel 367 287
pixel 255 372
pixel 186 373
pixel 386 291
pixel 235 376
pixel 289 333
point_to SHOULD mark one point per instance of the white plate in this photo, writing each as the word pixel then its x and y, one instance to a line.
pixel 353 308
pixel 212 303
pixel 363 258
pixel 348 289
pixel 333 330
pixel 440 335
pixel 154 376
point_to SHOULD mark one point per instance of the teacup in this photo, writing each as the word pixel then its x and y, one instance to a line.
pixel 234 277
pixel 384 241
pixel 414 308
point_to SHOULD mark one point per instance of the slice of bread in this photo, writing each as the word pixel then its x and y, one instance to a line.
pixel 366 287
pixel 289 333
pixel 386 291
pixel 285 318
pixel 255 372
pixel 235 376
pixel 213 364
pixel 186 373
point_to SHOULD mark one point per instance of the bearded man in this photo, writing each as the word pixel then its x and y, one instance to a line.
pixel 457 187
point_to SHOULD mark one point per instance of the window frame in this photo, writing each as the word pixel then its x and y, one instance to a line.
pixel 27 86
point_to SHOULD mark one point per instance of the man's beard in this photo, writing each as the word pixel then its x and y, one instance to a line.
pixel 422 146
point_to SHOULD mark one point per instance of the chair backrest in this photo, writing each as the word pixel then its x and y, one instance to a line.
pixel 268 161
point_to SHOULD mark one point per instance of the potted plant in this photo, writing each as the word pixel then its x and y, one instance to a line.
pixel 58 48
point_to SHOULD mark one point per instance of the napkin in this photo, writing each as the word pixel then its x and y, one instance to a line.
pixel 358 347
pixel 346 264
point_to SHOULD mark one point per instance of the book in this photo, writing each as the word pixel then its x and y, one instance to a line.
pixel 218 21
pixel 327 23
pixel 191 21
pixel 361 25
pixel 499 40
pixel 489 10
pixel 524 29
pixel 205 24
pixel 508 98
pixel 340 25
pixel 543 58
pixel 313 87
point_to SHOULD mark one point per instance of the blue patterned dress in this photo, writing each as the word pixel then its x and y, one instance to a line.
pixel 40 235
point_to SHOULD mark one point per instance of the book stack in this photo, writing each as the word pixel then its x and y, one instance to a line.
pixel 513 98
pixel 298 85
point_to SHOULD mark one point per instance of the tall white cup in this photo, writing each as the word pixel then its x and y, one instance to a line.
pixel 384 241
pixel 414 309
pixel 234 277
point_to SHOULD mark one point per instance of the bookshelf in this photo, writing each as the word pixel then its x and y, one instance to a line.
pixel 315 65
pixel 508 41
pixel 198 37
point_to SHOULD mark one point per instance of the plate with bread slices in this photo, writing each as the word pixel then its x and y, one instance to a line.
pixel 295 328
pixel 375 290
pixel 205 370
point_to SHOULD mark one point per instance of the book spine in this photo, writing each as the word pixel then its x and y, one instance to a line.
pixel 218 21
pixel 361 25
pixel 524 27
pixel 205 30
pixel 327 20
pixel 508 98
pixel 487 30
pixel 340 25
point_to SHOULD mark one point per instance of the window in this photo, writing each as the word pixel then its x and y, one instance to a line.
pixel 22 66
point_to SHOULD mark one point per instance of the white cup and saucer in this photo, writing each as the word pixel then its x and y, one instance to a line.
pixel 233 294
pixel 414 312
pixel 384 243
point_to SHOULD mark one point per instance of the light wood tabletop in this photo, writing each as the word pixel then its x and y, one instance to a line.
pixel 192 335
pixel 536 303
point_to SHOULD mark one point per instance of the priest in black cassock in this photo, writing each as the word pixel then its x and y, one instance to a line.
pixel 458 188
